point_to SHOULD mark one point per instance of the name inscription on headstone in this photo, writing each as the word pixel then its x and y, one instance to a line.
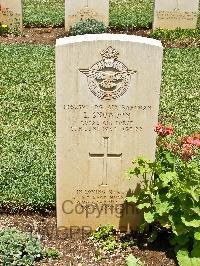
pixel 93 118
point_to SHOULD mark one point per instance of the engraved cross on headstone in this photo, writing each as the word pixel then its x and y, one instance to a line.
pixel 105 155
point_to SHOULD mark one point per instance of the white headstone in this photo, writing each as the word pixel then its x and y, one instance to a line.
pixel 108 89
pixel 77 10
pixel 11 14
pixel 172 14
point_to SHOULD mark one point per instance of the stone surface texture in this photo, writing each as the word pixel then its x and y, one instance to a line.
pixel 172 14
pixel 84 9
pixel 108 89
pixel 11 14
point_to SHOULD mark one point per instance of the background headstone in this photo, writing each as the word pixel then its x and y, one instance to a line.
pixel 172 14
pixel 84 9
pixel 108 90
pixel 11 14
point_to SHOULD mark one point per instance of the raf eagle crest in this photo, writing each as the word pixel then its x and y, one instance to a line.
pixel 109 78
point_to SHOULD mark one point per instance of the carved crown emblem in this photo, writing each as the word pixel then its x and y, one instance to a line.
pixel 109 78
pixel 109 53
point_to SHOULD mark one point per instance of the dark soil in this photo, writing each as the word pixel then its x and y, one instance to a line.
pixel 35 36
pixel 49 35
pixel 79 250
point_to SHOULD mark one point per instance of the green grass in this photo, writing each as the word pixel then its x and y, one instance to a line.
pixel 27 125
pixel 178 37
pixel 43 13
pixel 27 145
pixel 180 90
pixel 131 13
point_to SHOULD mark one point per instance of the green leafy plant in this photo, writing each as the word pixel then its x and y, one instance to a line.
pixel 19 248
pixel 4 29
pixel 170 191
pixel 184 259
pixel 133 261
pixel 103 232
pixel 105 237
pixel 51 253
pixel 127 243
pixel 88 26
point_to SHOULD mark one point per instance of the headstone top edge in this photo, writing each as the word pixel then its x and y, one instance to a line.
pixel 108 37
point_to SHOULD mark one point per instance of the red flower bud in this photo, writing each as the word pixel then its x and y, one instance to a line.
pixel 163 131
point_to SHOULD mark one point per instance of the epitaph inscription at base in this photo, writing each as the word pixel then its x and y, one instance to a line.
pixel 107 105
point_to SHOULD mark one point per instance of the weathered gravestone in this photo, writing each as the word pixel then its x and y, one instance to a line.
pixel 11 14
pixel 172 14
pixel 107 106
pixel 83 9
